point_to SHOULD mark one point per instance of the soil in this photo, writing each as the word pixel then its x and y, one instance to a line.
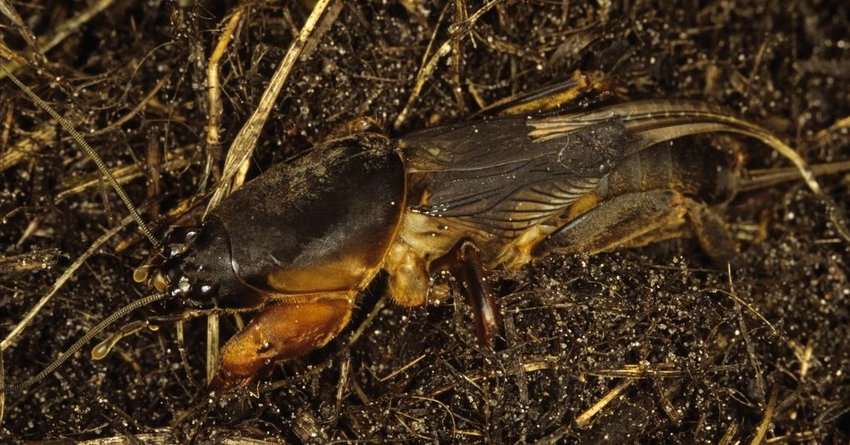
pixel 648 345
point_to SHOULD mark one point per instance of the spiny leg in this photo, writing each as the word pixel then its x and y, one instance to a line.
pixel 641 218
pixel 712 232
pixel 281 331
pixel 616 221
pixel 466 268
pixel 706 225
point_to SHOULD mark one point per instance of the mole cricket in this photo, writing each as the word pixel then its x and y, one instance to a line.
pixel 298 244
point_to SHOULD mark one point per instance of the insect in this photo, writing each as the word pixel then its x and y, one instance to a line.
pixel 300 242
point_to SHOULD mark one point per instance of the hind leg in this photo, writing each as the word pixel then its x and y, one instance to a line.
pixel 638 219
pixel 709 228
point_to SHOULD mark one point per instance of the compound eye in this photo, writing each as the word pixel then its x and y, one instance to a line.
pixel 182 235
pixel 177 241
pixel 190 235
pixel 200 295
pixel 205 291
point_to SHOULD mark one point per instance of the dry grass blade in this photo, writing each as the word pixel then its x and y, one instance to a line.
pixel 123 175
pixel 729 435
pixel 99 350
pixel 463 26
pixel 29 261
pixel 398 371
pixel 745 334
pixel 167 438
pixel 424 74
pixel 769 412
pixel 245 141
pixel 2 385
pixel 583 420
pixel 27 147
pixel 97 244
pixel 213 81
pixel 639 372
pixel 91 153
pixel 823 137
pixel 136 110
pixel 9 11
pixel 212 345
pixel 62 32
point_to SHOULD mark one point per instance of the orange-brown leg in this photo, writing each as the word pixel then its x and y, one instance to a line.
pixel 617 221
pixel 708 227
pixel 280 332
pixel 638 219
pixel 466 268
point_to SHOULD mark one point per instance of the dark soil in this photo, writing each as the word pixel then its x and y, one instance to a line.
pixel 701 355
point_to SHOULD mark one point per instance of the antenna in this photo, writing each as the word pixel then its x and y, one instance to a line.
pixel 78 138
pixel 85 339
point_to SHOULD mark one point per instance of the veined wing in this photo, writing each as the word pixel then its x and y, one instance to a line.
pixel 492 173
pixel 511 173
pixel 653 121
